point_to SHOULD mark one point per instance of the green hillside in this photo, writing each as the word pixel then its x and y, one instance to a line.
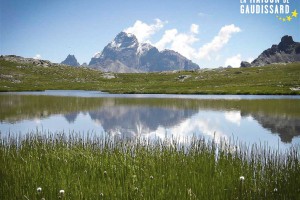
pixel 272 79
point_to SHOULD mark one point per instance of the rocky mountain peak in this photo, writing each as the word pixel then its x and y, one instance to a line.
pixel 143 48
pixel 126 54
pixel 124 40
pixel 286 43
pixel 286 51
pixel 287 40
pixel 71 61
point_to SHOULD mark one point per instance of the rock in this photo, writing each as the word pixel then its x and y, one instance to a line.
pixel 287 51
pixel 286 44
pixel 19 59
pixel 108 76
pixel 295 89
pixel 183 77
pixel 245 64
pixel 126 54
pixel 71 61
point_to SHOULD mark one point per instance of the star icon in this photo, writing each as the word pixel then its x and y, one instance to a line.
pixel 288 18
pixel 294 13
pixel 283 19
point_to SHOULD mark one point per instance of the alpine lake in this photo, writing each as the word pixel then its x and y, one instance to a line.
pixel 248 119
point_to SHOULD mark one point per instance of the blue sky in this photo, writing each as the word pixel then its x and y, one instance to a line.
pixel 211 33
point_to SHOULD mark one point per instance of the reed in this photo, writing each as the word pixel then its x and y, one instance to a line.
pixel 72 166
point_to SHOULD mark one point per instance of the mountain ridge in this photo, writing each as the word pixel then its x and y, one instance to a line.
pixel 286 51
pixel 126 52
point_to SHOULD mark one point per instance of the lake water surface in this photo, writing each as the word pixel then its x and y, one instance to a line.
pixel 274 120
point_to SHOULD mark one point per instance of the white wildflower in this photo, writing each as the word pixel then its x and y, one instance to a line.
pixel 242 178
pixel 61 192
pixel 39 189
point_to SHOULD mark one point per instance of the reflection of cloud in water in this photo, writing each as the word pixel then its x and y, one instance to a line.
pixel 163 122
pixel 197 125
pixel 250 118
pixel 133 121
pixel 97 122
pixel 234 117
pixel 37 120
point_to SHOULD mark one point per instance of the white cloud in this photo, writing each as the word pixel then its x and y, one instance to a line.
pixel 201 14
pixel 218 42
pixel 37 56
pixel 194 28
pixel 234 117
pixel 250 59
pixel 234 61
pixel 167 38
pixel 185 43
pixel 180 42
pixel 143 31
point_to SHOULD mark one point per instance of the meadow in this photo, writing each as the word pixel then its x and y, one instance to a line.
pixel 41 165
pixel 71 166
pixel 272 79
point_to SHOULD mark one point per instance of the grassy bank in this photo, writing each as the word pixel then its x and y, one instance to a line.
pixel 273 79
pixel 97 168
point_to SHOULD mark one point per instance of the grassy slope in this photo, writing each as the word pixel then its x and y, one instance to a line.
pixel 102 169
pixel 273 79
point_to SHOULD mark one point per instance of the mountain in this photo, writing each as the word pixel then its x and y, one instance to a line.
pixel 84 64
pixel 71 61
pixel 126 54
pixel 287 51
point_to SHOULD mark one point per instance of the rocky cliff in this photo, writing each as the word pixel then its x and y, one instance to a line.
pixel 287 51
pixel 126 54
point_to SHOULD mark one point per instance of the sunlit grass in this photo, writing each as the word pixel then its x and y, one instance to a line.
pixel 54 166
pixel 271 79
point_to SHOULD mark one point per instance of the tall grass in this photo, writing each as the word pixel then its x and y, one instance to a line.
pixel 37 166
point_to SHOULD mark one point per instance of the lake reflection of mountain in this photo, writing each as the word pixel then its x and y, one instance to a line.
pixel 130 121
pixel 286 127
pixel 134 116
pixel 71 117
pixel 136 120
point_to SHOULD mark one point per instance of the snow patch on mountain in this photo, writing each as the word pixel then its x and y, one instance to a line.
pixel 143 48
pixel 97 54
